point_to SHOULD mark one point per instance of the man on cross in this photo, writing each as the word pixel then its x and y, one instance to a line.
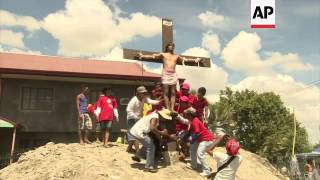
pixel 169 75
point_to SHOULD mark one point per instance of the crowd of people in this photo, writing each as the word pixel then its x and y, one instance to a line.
pixel 186 125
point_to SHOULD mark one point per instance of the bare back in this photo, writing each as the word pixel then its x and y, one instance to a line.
pixel 169 61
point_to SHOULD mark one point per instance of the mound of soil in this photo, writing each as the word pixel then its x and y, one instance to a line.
pixel 92 161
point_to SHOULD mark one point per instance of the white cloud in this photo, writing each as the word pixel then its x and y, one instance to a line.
pixel 12 20
pixel 18 51
pixel 211 19
pixel 11 38
pixel 196 51
pixel 115 54
pixel 241 54
pixel 89 28
pixel 213 78
pixel 289 62
pixel 211 42
pixel 304 99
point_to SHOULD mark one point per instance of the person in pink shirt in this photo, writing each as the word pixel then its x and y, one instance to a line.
pixel 183 105
pixel 106 112
pixel 182 128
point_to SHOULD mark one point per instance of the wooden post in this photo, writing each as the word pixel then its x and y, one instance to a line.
pixel 172 155
pixel 167 33
pixel 13 143
pixel 294 134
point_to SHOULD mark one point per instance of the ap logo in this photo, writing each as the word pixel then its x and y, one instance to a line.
pixel 263 14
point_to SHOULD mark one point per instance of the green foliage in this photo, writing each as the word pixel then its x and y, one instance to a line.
pixel 260 122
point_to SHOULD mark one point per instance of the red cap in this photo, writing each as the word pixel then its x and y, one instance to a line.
pixel 185 86
pixel 184 99
pixel 232 147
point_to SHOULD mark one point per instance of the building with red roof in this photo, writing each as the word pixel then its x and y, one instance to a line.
pixel 39 92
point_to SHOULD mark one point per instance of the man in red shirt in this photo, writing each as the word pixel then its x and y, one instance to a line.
pixel 200 103
pixel 201 140
pixel 183 105
pixel 106 112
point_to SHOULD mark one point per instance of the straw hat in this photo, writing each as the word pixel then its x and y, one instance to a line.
pixel 166 114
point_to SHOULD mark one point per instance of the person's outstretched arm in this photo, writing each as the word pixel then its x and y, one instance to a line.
pixel 184 59
pixel 151 101
pixel 145 56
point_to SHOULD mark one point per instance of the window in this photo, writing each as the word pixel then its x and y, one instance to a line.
pixel 37 99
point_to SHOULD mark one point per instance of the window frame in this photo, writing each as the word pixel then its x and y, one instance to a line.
pixel 28 109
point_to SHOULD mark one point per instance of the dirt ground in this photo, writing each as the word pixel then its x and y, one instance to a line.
pixel 75 161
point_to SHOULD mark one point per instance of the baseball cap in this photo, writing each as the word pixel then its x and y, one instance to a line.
pixel 185 86
pixel 141 89
pixel 232 147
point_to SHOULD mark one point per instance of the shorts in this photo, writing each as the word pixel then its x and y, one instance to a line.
pixel 85 122
pixel 130 124
pixel 105 125
pixel 98 128
pixel 131 137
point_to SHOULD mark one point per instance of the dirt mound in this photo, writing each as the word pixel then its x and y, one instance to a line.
pixel 74 161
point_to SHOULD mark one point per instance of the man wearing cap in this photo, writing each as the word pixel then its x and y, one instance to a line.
pixel 229 162
pixel 135 112
pixel 183 105
pixel 185 91
pixel 140 131
pixel 202 139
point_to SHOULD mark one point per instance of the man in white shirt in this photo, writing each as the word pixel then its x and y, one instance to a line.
pixel 135 112
pixel 229 171
pixel 141 131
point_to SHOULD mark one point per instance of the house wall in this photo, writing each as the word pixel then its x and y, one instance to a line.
pixel 63 116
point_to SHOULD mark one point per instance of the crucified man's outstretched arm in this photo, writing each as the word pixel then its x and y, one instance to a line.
pixel 184 59
pixel 153 56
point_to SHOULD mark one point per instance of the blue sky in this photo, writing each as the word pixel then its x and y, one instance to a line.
pixel 285 58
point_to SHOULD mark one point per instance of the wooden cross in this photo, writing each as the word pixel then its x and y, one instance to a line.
pixel 167 37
